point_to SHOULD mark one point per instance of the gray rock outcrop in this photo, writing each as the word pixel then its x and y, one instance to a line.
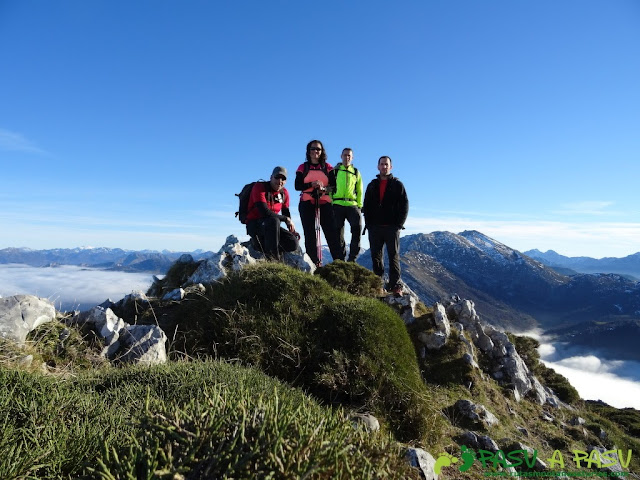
pixel 506 364
pixel 21 314
pixel 422 460
pixel 407 304
pixel 476 413
pixel 123 342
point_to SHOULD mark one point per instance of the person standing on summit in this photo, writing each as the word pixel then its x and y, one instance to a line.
pixel 312 180
pixel 385 209
pixel 347 202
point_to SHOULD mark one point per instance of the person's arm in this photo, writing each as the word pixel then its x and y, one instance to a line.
pixel 286 213
pixel 299 183
pixel 359 190
pixel 403 205
pixel 265 211
pixel 366 205
pixel 332 174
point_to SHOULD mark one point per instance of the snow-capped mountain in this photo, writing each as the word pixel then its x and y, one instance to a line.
pixel 96 257
pixel 629 265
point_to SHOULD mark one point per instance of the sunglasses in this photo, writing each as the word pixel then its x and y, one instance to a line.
pixel 281 177
pixel 315 149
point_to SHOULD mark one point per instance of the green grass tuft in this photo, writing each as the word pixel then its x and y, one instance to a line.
pixel 294 326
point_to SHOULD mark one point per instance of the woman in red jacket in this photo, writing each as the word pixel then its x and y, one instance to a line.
pixel 313 181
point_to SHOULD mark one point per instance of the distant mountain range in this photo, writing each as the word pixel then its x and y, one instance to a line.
pixel 510 289
pixel 502 280
pixel 150 261
pixel 516 292
pixel 629 265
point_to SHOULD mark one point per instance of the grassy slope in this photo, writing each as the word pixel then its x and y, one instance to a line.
pixel 335 352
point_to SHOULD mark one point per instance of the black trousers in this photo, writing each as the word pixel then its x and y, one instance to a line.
pixel 272 238
pixel 389 236
pixel 327 222
pixel 351 215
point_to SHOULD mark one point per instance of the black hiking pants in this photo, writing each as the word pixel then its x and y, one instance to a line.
pixel 271 237
pixel 307 211
pixel 351 215
pixel 389 236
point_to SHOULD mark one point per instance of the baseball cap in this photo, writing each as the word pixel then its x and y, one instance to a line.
pixel 280 171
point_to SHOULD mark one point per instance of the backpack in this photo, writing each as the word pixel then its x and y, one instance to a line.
pixel 306 166
pixel 337 167
pixel 243 198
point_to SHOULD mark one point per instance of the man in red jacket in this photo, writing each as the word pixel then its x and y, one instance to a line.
pixel 268 206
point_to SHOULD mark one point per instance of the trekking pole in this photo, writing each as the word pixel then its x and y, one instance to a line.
pixel 318 235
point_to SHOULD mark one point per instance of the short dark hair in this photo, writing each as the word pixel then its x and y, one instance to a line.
pixel 385 156
pixel 323 154
pixel 347 148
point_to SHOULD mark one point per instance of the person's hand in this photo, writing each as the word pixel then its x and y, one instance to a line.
pixel 290 226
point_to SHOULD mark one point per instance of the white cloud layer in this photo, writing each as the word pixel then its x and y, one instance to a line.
pixel 70 287
pixel 616 382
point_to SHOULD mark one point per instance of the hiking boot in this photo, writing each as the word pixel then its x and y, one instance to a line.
pixel 397 290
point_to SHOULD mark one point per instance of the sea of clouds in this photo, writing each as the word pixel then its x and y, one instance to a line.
pixel 70 287
pixel 616 382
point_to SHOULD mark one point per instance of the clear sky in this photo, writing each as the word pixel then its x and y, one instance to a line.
pixel 132 123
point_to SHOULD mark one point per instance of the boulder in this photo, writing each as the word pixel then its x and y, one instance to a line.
pixel 422 460
pixel 21 314
pixel 366 421
pixel 123 342
pixel 441 320
pixel 144 344
pixel 476 413
pixel 615 469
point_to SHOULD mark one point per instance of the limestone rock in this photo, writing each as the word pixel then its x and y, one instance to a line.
pixel 145 344
pixel 422 460
pixel 616 468
pixel 475 441
pixel 407 304
pixel 367 421
pixel 139 343
pixel 433 341
pixel 441 320
pixel 175 295
pixel 21 314
pixel 476 413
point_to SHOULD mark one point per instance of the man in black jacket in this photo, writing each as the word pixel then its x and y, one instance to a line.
pixel 385 210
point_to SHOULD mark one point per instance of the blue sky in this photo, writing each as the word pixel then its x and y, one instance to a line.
pixel 132 123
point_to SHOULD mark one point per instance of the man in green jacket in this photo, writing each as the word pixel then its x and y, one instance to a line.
pixel 347 202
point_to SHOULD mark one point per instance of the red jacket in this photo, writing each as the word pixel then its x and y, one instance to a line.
pixel 277 203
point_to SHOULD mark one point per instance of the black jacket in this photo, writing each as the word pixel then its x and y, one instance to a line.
pixel 394 207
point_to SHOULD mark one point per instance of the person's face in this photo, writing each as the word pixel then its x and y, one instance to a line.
pixel 384 166
pixel 315 150
pixel 347 157
pixel 277 182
